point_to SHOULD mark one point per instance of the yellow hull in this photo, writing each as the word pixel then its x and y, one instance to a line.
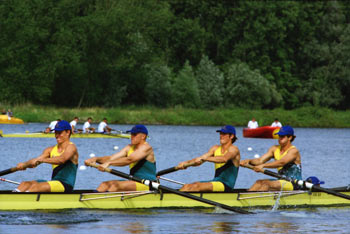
pixel 241 198
pixel 4 119
pixel 76 135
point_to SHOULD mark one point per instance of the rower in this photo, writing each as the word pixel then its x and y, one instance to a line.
pixel 51 127
pixel 87 126
pixel 103 127
pixel 138 155
pixel 287 161
pixel 225 156
pixel 74 123
pixel 64 160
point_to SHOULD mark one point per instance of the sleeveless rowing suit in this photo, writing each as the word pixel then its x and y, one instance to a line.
pixel 290 170
pixel 63 176
pixel 225 174
pixel 142 169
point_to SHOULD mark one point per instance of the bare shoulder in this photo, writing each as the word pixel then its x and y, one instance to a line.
pixel 233 148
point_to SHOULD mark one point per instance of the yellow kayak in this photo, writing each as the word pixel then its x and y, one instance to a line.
pixel 5 119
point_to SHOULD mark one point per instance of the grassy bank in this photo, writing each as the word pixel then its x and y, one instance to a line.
pixel 303 117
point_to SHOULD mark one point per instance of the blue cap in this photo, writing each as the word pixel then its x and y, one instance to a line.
pixel 285 130
pixel 314 180
pixel 62 125
pixel 227 129
pixel 139 128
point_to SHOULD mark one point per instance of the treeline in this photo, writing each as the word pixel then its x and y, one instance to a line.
pixel 191 53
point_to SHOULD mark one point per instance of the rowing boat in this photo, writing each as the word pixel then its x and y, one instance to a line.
pixel 86 199
pixel 76 135
pixel 261 132
pixel 5 119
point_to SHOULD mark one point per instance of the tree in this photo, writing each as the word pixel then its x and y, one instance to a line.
pixel 210 82
pixel 185 88
pixel 249 89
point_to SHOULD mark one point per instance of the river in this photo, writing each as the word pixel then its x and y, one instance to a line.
pixel 325 154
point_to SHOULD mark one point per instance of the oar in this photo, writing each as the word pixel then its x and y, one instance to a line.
pixel 301 183
pixel 13 169
pixel 167 189
pixel 9 181
pixel 8 171
pixel 172 169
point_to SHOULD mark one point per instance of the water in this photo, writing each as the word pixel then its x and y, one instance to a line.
pixel 324 154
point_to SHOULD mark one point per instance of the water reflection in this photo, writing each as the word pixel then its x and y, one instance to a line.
pixel 135 228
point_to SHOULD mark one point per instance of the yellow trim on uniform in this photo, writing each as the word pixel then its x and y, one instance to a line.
pixel 56 186
pixel 218 186
pixel 286 185
pixel 141 187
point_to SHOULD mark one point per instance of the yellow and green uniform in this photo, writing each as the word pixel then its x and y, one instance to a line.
pixel 63 176
pixel 142 169
pixel 290 170
pixel 225 174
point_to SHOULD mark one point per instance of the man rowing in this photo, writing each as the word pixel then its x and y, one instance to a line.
pixel 287 161
pixel 64 160
pixel 138 155
pixel 87 126
pixel 225 156
pixel 103 127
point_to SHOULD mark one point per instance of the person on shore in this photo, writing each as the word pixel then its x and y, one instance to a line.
pixel 276 123
pixel 287 161
pixel 51 126
pixel 64 160
pixel 138 155
pixel 103 127
pixel 253 123
pixel 87 126
pixel 226 158
pixel 74 123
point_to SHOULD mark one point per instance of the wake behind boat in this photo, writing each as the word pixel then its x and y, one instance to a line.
pixel 261 132
pixel 240 198
pixel 76 135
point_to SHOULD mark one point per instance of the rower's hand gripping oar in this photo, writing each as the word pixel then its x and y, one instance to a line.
pixel 13 169
pixel 301 183
pixel 172 169
pixel 157 186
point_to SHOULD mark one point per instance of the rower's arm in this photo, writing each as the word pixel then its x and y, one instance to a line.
pixel 231 153
pixel 198 160
pixel 68 154
pixel 291 156
pixel 35 161
pixel 140 153
pixel 258 161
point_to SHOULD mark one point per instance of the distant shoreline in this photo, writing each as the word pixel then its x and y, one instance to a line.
pixel 302 117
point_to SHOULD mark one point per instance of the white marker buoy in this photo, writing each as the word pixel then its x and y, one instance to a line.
pixel 256 156
pixel 82 167
pixel 92 155
pixel 116 147
pixel 250 148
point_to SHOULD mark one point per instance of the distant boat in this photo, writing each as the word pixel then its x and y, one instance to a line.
pixel 261 132
pixel 5 119
pixel 76 135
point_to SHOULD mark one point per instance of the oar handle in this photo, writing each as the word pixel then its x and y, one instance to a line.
pixel 172 169
pixel 96 166
pixel 8 171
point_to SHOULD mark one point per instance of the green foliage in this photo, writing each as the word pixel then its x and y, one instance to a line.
pixel 158 87
pixel 185 88
pixel 210 82
pixel 248 88
pixel 81 53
